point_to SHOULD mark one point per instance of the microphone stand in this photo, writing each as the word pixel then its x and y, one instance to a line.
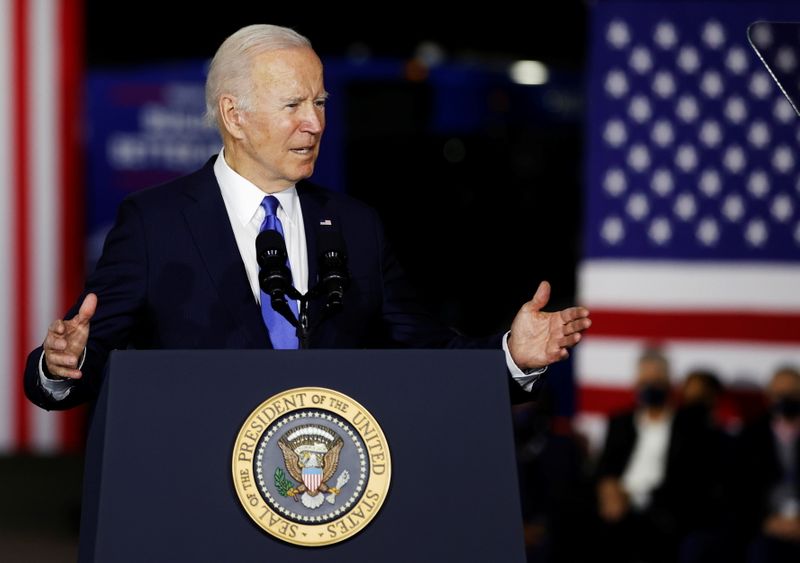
pixel 303 331
pixel 301 322
pixel 281 305
pixel 275 282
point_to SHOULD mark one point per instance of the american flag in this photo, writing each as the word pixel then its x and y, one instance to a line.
pixel 692 231
pixel 41 217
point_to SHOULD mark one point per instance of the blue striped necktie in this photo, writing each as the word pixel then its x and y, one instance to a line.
pixel 281 332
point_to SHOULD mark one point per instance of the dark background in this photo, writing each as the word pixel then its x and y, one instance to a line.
pixel 150 31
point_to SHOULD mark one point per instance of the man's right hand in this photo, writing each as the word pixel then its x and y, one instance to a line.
pixel 66 341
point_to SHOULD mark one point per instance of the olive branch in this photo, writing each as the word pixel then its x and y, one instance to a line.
pixel 281 482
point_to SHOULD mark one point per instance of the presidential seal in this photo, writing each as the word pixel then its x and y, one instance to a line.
pixel 311 466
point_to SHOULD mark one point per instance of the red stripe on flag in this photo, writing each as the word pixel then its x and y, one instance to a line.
pixel 72 235
pixel 21 186
pixel 698 325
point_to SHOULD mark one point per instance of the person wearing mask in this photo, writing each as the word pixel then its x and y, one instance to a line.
pixel 701 389
pixel 768 469
pixel 702 495
pixel 651 470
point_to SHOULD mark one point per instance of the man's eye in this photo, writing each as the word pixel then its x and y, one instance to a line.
pixel 320 103
pixel 292 105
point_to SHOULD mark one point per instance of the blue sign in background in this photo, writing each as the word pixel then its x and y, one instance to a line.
pixel 144 127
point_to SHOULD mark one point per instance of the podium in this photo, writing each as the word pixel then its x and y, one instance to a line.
pixel 158 482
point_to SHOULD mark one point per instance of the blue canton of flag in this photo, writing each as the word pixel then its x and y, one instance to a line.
pixel 693 147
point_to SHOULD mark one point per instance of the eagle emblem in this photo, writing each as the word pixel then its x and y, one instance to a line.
pixel 311 456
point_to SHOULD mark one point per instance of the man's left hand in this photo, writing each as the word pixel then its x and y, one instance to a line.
pixel 538 338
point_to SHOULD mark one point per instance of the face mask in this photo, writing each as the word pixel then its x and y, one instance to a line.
pixel 787 407
pixel 652 396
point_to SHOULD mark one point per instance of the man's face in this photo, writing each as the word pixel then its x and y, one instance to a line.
pixel 784 385
pixel 652 373
pixel 696 392
pixel 652 383
pixel 282 132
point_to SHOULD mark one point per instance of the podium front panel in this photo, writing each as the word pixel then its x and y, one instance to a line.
pixel 158 483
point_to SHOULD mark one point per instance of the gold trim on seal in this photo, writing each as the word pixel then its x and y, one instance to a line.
pixel 301 400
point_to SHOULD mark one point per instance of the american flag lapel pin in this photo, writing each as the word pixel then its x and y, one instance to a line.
pixel 326 223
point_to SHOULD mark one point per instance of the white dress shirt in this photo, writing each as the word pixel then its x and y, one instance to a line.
pixel 647 466
pixel 243 204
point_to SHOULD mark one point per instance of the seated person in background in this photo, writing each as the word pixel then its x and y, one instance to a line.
pixel 701 388
pixel 655 470
pixel 704 526
pixel 768 471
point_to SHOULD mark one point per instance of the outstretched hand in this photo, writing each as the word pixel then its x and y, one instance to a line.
pixel 538 338
pixel 66 340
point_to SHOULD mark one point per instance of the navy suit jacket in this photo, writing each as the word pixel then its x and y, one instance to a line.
pixel 171 276
pixel 692 493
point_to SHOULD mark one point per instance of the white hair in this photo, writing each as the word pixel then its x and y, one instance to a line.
pixel 229 72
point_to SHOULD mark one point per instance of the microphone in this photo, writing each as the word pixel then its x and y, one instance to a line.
pixel 334 277
pixel 274 276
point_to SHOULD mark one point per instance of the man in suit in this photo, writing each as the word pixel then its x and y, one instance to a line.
pixel 767 475
pixel 658 475
pixel 179 270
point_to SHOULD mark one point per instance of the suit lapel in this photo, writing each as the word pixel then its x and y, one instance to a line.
pixel 314 205
pixel 209 224
pixel 311 206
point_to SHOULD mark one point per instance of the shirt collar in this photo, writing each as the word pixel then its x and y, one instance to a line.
pixel 244 197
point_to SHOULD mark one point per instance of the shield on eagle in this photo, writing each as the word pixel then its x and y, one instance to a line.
pixel 312 477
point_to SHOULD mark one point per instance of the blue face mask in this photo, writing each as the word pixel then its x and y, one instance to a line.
pixel 653 396
pixel 787 407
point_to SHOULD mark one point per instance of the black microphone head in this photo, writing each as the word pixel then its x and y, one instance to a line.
pixel 332 251
pixel 334 277
pixel 270 249
pixel 274 276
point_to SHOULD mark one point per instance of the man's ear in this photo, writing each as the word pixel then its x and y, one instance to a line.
pixel 230 116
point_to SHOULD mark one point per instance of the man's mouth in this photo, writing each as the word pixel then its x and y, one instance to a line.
pixel 303 150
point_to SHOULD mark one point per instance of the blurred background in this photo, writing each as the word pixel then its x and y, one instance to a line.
pixel 638 155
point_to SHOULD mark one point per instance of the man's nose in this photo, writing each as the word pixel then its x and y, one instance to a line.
pixel 313 121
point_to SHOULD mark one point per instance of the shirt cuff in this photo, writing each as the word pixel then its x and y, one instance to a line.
pixel 526 378
pixel 58 389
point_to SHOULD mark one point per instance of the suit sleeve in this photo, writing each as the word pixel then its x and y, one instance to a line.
pixel 120 282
